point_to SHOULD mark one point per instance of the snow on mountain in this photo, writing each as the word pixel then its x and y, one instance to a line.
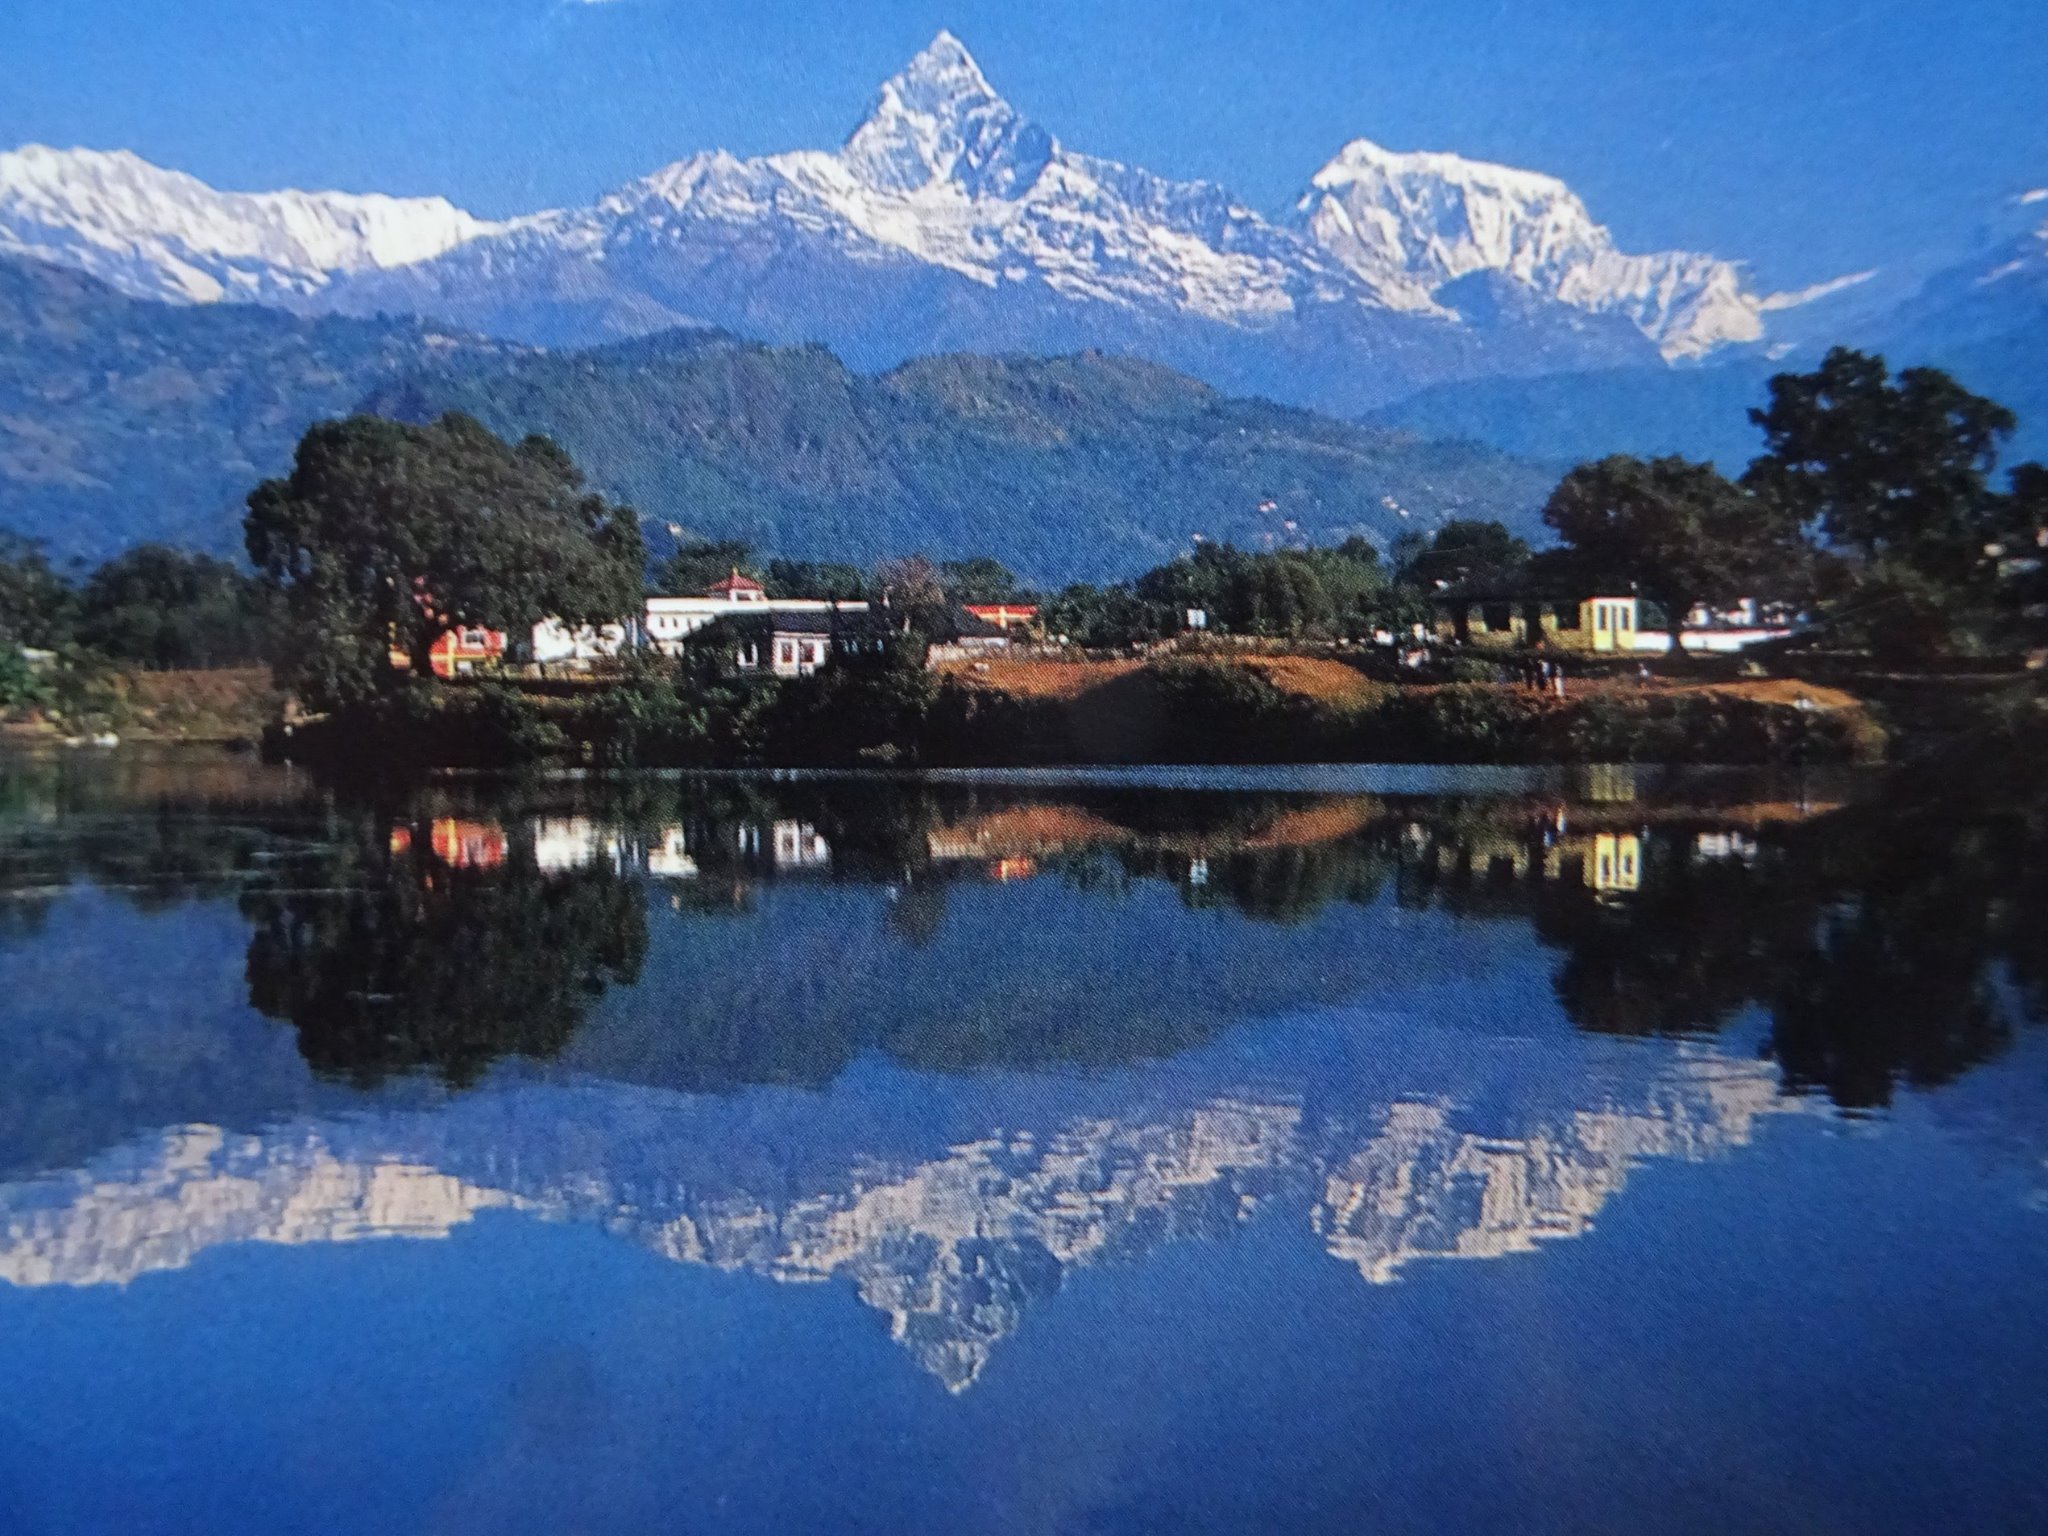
pixel 943 175
pixel 1409 224
pixel 947 221
pixel 159 234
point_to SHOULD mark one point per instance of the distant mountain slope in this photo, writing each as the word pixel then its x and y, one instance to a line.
pixel 1075 467
pixel 1703 413
pixel 1699 412
pixel 122 420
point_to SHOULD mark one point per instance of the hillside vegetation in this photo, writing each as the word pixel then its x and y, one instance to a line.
pixel 124 421
pixel 1061 468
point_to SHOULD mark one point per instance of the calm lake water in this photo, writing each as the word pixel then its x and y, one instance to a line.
pixel 1396 1151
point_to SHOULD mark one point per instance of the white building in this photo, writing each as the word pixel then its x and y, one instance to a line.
pixel 669 621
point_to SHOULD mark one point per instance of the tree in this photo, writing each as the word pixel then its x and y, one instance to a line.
pixel 915 591
pixel 1462 549
pixel 814 578
pixel 1678 531
pixel 165 607
pixel 1890 469
pixel 697 564
pixel 387 534
pixel 2022 549
pixel 980 580
pixel 36 604
pixel 1106 618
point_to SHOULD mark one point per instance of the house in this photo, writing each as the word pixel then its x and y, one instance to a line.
pixel 670 621
pixel 787 642
pixel 460 651
pixel 1498 614
pixel 555 644
pixel 971 638
pixel 1005 616
pixel 1504 617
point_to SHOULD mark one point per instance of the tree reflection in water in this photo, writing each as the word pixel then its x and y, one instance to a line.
pixel 430 954
pixel 1888 942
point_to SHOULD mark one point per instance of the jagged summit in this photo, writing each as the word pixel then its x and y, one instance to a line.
pixel 948 220
pixel 938 120
pixel 1413 223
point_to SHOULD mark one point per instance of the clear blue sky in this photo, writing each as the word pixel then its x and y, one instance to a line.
pixel 1808 136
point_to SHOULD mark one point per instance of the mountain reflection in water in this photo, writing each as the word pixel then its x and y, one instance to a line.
pixel 948 1044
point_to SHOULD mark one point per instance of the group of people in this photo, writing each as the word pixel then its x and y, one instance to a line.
pixel 1543 675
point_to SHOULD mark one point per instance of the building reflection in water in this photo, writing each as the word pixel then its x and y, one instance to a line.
pixel 1873 948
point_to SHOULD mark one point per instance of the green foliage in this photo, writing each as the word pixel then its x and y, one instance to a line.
pixel 37 606
pixel 1888 468
pixel 979 580
pixel 166 608
pixel 387 534
pixel 1288 592
pixel 20 686
pixel 1106 618
pixel 1464 549
pixel 1062 469
pixel 830 579
pixel 1677 531
pixel 695 565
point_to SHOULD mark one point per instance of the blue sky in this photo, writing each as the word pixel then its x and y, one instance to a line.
pixel 1810 137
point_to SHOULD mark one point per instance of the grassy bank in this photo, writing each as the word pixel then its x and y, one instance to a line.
pixel 219 705
pixel 1261 709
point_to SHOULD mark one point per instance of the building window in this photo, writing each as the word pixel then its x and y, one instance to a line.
pixel 785 653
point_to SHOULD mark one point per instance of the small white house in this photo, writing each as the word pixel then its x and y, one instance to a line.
pixel 555 644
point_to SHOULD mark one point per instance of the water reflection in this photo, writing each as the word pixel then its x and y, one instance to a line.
pixel 639 1007
pixel 952 1248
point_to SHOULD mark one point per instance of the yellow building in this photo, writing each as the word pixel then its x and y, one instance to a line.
pixel 1593 624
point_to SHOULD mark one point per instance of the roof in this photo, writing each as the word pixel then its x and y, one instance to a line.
pixel 735 582
pixel 768 620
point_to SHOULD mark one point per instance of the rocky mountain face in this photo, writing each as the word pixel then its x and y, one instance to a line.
pixel 157 234
pixel 1416 226
pixel 948 221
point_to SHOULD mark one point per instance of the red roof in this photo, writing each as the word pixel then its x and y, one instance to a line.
pixel 727 586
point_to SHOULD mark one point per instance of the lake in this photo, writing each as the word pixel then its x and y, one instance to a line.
pixel 1356 1150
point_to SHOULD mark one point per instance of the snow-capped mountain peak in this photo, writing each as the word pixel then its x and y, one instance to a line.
pixel 163 234
pixel 1411 223
pixel 940 120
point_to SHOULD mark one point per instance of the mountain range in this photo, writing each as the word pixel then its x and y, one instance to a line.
pixel 947 221
pixel 1419 293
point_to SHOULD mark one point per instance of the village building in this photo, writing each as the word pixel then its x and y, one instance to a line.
pixel 459 652
pixel 669 622
pixel 556 644
pixel 1005 616
pixel 1502 617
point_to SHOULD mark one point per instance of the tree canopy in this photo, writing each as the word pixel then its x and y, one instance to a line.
pixel 1679 532
pixel 387 535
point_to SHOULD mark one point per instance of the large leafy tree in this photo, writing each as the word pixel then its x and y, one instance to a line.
pixel 167 607
pixel 1891 469
pixel 1679 532
pixel 1463 548
pixel 387 534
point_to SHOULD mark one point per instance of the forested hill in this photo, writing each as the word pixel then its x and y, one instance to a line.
pixel 1077 467
pixel 123 420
